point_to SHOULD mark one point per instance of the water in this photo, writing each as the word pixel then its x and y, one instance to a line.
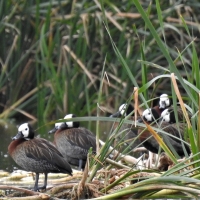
pixel 7 130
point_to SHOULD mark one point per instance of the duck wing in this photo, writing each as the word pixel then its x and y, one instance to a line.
pixel 42 150
pixel 80 138
pixel 178 131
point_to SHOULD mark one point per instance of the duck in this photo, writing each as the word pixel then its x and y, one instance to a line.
pixel 151 116
pixel 126 109
pixel 165 106
pixel 37 155
pixel 129 132
pixel 164 102
pixel 123 110
pixel 73 141
pixel 168 115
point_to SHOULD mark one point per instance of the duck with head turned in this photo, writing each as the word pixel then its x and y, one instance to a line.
pixel 169 115
pixel 124 110
pixel 130 133
pixel 177 130
pixel 37 155
pixel 73 141
pixel 165 104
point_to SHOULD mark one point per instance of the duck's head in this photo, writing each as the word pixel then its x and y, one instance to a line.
pixel 164 101
pixel 168 116
pixel 24 131
pixel 65 125
pixel 149 115
pixel 124 110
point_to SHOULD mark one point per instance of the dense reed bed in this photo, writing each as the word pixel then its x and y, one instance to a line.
pixel 88 57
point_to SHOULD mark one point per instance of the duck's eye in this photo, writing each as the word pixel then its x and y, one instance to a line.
pixel 26 129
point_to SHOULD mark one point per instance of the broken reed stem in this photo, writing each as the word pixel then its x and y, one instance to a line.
pixel 180 100
pixel 31 195
pixel 26 191
pixel 81 184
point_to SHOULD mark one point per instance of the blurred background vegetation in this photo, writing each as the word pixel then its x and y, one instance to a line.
pixel 52 54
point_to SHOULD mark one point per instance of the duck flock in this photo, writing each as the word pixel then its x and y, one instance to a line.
pixel 72 142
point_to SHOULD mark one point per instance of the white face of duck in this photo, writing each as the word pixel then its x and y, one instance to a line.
pixel 68 123
pixel 165 115
pixel 69 116
pixel 147 115
pixel 24 129
pixel 122 109
pixel 164 101
pixel 59 124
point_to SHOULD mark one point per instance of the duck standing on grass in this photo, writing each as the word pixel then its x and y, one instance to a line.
pixel 37 155
pixel 73 141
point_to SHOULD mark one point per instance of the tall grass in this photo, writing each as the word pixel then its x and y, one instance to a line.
pixel 59 47
pixel 53 59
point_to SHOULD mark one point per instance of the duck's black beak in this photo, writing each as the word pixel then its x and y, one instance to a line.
pixel 52 131
pixel 117 114
pixel 19 135
pixel 162 105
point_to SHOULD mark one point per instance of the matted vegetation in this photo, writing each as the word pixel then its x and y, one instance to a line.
pixel 87 58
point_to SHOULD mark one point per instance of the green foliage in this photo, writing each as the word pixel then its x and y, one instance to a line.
pixel 56 56
pixel 59 47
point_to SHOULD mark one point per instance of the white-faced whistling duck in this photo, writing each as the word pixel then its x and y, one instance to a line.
pixel 169 115
pixel 166 104
pixel 73 141
pixel 37 155
pixel 131 133
pixel 124 110
pixel 151 116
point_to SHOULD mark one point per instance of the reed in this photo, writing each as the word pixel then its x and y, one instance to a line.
pixel 53 62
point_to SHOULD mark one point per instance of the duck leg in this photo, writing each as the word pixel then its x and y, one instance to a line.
pixel 36 188
pixel 36 182
pixel 80 164
pixel 45 182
